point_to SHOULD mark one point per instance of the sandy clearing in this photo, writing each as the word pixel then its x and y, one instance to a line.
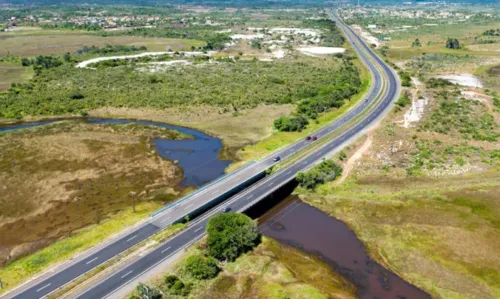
pixel 366 35
pixel 321 50
pixel 305 31
pixel 84 64
pixel 463 80
pixel 247 36
pixel 349 165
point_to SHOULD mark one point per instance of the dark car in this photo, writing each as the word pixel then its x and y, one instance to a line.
pixel 308 138
pixel 227 209
pixel 314 138
pixel 276 159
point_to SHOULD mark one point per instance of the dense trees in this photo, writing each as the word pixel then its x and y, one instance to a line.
pixel 108 49
pixel 239 85
pixel 343 86
pixel 405 78
pixel 453 43
pixel 230 235
pixel 492 32
pixel 332 36
pixel 437 82
pixel 324 172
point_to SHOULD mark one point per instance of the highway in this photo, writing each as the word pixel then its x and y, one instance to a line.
pixel 49 282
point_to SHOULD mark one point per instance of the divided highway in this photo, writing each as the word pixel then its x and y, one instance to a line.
pixel 377 102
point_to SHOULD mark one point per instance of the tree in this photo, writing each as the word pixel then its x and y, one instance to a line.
pixel 453 43
pixel 324 172
pixel 200 267
pixel 170 280
pixel 230 235
pixel 416 43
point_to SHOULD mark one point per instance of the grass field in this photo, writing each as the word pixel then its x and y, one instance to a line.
pixel 11 73
pixel 47 42
pixel 271 270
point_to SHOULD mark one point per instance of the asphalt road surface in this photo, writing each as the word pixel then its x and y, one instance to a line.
pixel 50 282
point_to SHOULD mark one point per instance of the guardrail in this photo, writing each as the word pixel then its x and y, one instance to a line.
pixel 177 202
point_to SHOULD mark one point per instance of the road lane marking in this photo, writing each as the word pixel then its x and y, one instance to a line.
pixel 92 260
pixel 215 192
pixel 166 249
pixel 196 230
pixel 188 206
pixel 45 286
pixel 130 239
pixel 288 172
pixel 165 219
pixel 127 274
pixel 270 185
pixel 249 197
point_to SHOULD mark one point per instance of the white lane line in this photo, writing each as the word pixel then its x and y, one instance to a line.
pixel 215 192
pixel 196 230
pixel 166 249
pixel 45 286
pixel 288 172
pixel 238 179
pixel 127 274
pixel 270 185
pixel 188 206
pixel 251 195
pixel 130 239
pixel 165 219
pixel 92 260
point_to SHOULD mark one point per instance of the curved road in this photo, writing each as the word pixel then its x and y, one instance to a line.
pixel 60 276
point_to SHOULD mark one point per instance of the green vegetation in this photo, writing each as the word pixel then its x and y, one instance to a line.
pixel 201 267
pixel 403 101
pixel 405 78
pixel 468 118
pixel 438 83
pixel 110 49
pixel 453 43
pixel 146 292
pixel 332 37
pixel 244 84
pixel 230 235
pixel 492 32
pixel 345 84
pixel 12 73
pixel 326 171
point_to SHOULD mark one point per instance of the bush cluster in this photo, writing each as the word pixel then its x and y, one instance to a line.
pixel 326 171
pixel 200 267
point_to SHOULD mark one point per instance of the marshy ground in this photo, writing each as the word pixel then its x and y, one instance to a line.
pixel 59 178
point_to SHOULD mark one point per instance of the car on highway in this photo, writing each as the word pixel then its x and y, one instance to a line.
pixel 277 159
pixel 308 138
pixel 314 138
pixel 227 209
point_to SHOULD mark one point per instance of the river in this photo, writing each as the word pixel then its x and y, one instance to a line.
pixel 295 223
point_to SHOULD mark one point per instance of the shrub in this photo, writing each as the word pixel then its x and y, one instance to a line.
pixel 324 172
pixel 170 280
pixel 403 101
pixel 405 79
pixel 291 124
pixel 201 268
pixel 230 235
pixel 438 82
pixel 453 43
pixel 147 292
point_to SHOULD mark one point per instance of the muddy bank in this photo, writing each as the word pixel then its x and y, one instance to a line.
pixel 304 227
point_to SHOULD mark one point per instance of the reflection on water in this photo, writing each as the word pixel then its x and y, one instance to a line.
pixel 198 157
pixel 300 225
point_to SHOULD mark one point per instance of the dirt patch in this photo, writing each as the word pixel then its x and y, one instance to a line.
pixel 59 178
pixel 494 71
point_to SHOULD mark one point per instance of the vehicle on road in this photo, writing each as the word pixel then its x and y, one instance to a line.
pixel 227 209
pixel 308 138
pixel 314 138
pixel 277 159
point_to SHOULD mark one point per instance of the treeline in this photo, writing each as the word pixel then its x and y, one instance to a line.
pixel 108 49
pixel 215 41
pixel 42 62
pixel 344 84
pixel 332 36
pixel 492 32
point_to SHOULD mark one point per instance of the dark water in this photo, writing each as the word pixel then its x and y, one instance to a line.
pixel 300 225
pixel 198 157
